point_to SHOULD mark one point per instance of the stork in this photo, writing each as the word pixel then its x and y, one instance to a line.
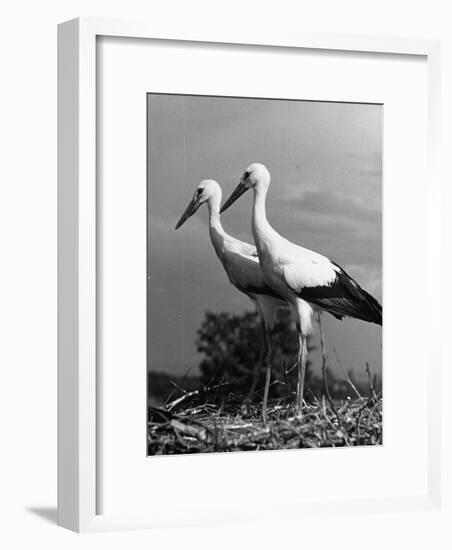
pixel 241 263
pixel 307 280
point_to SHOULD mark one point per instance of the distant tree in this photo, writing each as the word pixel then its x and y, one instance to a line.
pixel 231 346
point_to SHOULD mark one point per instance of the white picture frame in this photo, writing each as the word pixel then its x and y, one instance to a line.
pixel 78 408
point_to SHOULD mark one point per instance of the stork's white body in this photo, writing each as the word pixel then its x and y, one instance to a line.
pixel 241 263
pixel 287 266
pixel 305 279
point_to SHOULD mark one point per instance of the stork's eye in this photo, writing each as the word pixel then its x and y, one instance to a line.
pixel 246 175
pixel 199 191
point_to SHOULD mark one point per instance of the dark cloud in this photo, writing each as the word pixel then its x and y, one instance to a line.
pixel 337 204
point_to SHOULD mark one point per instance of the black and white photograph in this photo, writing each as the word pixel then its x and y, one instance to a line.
pixel 264 274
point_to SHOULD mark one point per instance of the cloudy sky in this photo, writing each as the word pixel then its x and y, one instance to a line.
pixel 326 194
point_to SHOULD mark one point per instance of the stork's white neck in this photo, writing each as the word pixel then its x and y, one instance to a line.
pixel 259 223
pixel 216 231
pixel 214 203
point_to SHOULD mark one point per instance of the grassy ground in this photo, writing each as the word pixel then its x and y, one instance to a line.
pixel 182 428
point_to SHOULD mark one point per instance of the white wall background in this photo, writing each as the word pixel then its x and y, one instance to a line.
pixel 28 267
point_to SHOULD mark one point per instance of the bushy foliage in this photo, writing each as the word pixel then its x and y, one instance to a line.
pixel 231 347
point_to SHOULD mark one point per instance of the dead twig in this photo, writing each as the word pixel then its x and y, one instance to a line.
pixel 346 376
pixel 326 389
pixel 177 387
pixel 199 433
pixel 371 383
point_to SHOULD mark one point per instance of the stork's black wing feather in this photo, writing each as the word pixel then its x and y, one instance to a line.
pixel 344 297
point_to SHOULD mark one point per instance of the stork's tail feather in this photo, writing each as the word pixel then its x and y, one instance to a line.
pixel 375 308
pixel 345 298
pixel 363 305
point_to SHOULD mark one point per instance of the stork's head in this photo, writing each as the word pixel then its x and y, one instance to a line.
pixel 255 176
pixel 208 191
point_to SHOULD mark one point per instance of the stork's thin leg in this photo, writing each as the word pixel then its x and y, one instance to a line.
pixel 300 349
pixel 257 368
pixel 255 376
pixel 267 386
pixel 268 373
pixel 302 357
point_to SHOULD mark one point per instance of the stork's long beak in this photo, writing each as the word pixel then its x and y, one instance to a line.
pixel 189 211
pixel 238 192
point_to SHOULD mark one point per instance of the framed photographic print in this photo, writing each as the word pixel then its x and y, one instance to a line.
pixel 230 403
pixel 234 213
